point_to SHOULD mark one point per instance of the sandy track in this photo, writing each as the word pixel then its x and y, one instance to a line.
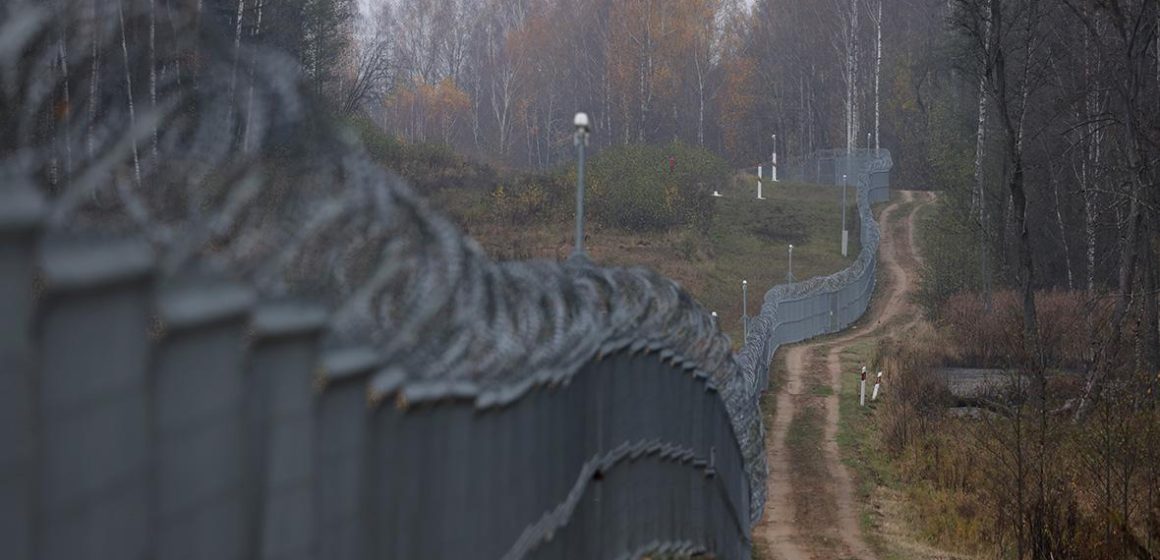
pixel 783 533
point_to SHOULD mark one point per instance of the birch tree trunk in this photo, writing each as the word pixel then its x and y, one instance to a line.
pixel 978 198
pixel 1062 230
pixel 1090 163
pixel 153 71
pixel 129 94
pixel 94 79
pixel 237 51
pixel 850 73
pixel 250 101
pixel 62 53
pixel 877 74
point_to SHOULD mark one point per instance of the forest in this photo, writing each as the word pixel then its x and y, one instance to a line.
pixel 1037 119
pixel 500 80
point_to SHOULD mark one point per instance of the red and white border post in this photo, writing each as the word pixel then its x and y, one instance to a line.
pixel 862 389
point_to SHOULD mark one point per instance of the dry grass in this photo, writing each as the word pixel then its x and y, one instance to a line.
pixel 748 240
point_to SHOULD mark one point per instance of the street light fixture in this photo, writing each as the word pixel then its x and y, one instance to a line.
pixel 789 275
pixel 745 306
pixel 581 140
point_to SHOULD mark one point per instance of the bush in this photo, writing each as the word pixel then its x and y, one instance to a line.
pixel 995 339
pixel 428 167
pixel 917 397
pixel 531 198
pixel 634 187
pixel 951 261
pixel 628 187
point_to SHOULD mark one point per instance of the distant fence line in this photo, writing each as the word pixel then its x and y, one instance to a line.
pixel 824 304
pixel 826 167
pixel 187 419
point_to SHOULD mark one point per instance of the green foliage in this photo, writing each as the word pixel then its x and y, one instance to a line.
pixel 635 188
pixel 951 252
pixel 382 146
pixel 950 148
pixel 531 198
pixel 630 188
pixel 429 167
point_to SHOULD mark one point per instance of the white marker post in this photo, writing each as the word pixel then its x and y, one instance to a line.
pixel 773 171
pixel 759 197
pixel 845 232
pixel 862 391
pixel 877 383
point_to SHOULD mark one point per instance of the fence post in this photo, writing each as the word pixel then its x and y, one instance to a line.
pixel 21 212
pixel 280 410
pixel 199 429
pixel 93 349
pixel 340 435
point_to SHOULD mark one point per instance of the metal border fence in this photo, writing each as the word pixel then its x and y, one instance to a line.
pixel 189 418
pixel 185 418
pixel 825 304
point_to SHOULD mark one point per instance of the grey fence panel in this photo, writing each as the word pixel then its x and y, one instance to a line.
pixel 93 346
pixel 879 186
pixel 644 491
pixel 21 212
pixel 341 447
pixel 199 423
pixel 280 409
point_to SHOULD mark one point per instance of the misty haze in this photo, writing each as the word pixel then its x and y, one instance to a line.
pixel 583 279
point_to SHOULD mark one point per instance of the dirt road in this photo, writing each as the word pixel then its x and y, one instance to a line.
pixel 811 512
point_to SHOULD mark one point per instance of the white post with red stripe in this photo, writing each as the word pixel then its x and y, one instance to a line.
pixel 862 389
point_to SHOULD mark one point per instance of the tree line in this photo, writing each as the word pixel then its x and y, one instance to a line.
pixel 1040 125
pixel 500 79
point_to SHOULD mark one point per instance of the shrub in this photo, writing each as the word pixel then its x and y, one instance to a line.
pixel 1066 322
pixel 917 396
pixel 634 187
pixel 428 167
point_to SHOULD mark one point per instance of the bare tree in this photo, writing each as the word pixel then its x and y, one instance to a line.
pixel 1006 36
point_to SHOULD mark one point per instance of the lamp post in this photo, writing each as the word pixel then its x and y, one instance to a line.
pixel 789 274
pixel 745 306
pixel 581 141
pixel 845 233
